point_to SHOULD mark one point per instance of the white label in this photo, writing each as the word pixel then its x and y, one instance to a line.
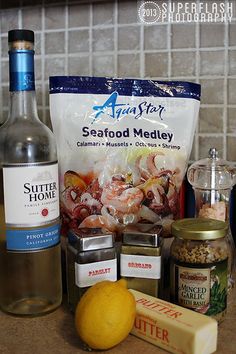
pixel 140 266
pixel 171 124
pixel 106 144
pixel 91 273
pixel 194 286
pixel 31 195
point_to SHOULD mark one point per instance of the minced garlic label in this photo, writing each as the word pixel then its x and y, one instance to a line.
pixel 193 286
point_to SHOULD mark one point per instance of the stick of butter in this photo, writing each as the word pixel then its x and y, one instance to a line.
pixel 173 328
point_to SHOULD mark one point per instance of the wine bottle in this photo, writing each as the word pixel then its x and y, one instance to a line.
pixel 30 254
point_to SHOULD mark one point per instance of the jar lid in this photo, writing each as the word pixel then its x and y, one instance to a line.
pixel 147 235
pixel 199 229
pixel 90 239
pixel 212 173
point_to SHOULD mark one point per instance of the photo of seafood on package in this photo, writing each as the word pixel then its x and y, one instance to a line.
pixel 123 148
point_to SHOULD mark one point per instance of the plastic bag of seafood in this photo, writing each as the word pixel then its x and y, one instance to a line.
pixel 123 148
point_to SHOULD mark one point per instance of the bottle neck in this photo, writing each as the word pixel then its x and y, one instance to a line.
pixel 22 84
pixel 21 70
pixel 23 105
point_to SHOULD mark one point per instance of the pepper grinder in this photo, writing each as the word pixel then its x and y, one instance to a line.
pixel 212 180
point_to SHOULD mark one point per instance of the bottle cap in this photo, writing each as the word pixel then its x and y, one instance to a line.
pixel 199 229
pixel 91 239
pixel 142 235
pixel 20 35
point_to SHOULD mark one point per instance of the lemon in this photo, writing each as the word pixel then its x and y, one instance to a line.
pixel 105 314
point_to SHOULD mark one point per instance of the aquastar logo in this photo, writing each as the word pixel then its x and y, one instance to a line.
pixel 117 110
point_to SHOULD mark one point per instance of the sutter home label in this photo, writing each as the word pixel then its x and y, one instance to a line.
pixel 31 201
pixel 34 192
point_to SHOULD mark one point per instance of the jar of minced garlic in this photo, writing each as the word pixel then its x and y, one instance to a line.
pixel 199 260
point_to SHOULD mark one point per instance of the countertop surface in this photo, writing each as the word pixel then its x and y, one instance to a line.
pixel 55 333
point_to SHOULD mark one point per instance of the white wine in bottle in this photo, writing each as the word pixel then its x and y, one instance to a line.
pixel 30 254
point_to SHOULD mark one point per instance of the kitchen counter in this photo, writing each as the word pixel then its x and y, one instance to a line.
pixel 55 333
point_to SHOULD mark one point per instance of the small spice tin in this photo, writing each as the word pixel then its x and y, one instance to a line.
pixel 91 257
pixel 199 260
pixel 140 259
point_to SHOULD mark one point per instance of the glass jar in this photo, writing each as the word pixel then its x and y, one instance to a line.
pixel 140 258
pixel 212 180
pixel 90 258
pixel 199 260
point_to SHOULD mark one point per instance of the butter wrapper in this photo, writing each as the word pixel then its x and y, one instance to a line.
pixel 173 328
